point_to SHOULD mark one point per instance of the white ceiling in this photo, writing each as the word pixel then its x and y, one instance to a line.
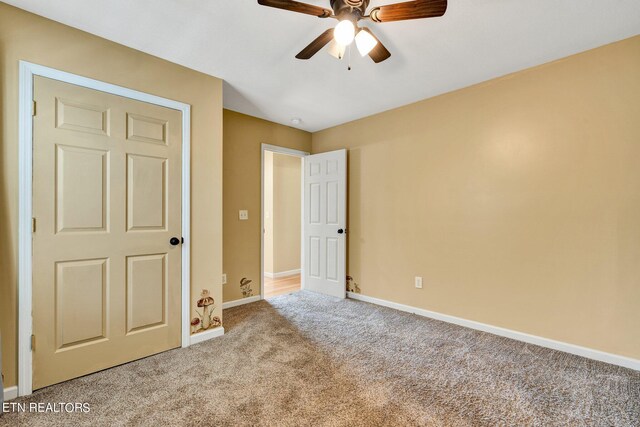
pixel 252 48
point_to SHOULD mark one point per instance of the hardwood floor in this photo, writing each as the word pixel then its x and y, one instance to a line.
pixel 284 285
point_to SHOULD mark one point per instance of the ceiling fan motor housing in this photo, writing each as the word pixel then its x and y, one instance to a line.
pixel 353 9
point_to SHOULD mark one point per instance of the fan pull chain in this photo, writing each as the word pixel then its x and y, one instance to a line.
pixel 349 62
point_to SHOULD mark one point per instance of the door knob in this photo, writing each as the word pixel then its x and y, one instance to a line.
pixel 174 241
pixel 340 231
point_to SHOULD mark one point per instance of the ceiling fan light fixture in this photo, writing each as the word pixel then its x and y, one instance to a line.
pixel 344 32
pixel 365 42
pixel 336 49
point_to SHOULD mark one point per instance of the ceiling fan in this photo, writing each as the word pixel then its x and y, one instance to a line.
pixel 348 13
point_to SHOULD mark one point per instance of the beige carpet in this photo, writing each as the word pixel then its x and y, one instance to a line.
pixel 304 359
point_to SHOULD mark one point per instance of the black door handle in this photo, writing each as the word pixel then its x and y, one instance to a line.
pixel 174 241
pixel 340 231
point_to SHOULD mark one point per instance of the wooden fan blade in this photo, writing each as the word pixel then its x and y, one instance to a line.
pixel 379 53
pixel 316 45
pixel 409 10
pixel 295 6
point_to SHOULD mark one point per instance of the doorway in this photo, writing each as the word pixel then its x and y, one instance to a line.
pixel 282 222
pixel 116 278
pixel 80 189
pixel 316 217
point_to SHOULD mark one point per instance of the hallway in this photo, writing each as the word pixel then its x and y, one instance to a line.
pixel 280 286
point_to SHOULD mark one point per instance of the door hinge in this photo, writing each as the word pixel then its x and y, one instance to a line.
pixel 33 225
pixel 33 343
pixel 33 109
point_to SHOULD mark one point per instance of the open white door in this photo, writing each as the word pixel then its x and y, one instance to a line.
pixel 325 218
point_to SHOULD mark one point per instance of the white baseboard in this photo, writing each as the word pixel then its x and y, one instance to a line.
pixel 206 335
pixel 281 274
pixel 240 301
pixel 10 393
pixel 589 353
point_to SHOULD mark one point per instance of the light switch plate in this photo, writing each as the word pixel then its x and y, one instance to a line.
pixel 418 282
pixel 243 215
pixel 224 278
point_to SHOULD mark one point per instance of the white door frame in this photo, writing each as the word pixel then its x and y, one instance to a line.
pixel 290 152
pixel 25 163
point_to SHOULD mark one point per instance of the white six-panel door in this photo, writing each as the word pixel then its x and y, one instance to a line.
pixel 325 217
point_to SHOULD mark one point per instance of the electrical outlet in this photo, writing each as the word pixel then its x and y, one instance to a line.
pixel 224 278
pixel 418 282
pixel 243 215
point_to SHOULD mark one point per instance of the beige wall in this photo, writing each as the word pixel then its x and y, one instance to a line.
pixel 517 200
pixel 282 206
pixel 243 136
pixel 268 209
pixel 35 39
pixel 286 213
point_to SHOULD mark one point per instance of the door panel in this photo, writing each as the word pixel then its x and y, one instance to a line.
pixel 146 291
pixel 332 259
pixel 324 217
pixel 146 129
pixel 314 257
pixel 76 283
pixel 107 199
pixel 314 203
pixel 332 203
pixel 146 192
pixel 81 189
pixel 82 117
